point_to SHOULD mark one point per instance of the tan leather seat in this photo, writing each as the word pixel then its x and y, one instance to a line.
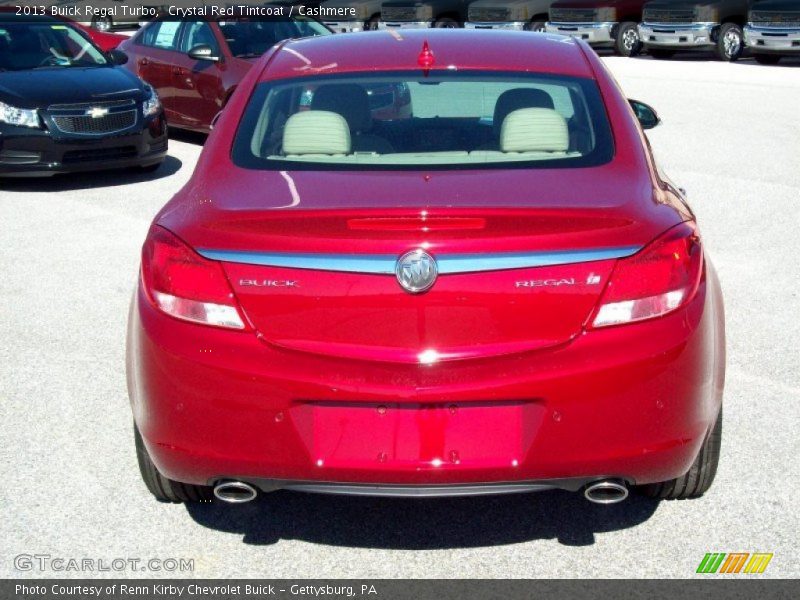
pixel 534 130
pixel 316 132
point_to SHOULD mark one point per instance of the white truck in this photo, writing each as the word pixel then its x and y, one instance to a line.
pixel 365 15
pixel 519 15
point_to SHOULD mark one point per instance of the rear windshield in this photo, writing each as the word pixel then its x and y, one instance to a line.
pixel 411 121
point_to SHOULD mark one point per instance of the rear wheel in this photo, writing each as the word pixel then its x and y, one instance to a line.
pixel 661 54
pixel 730 42
pixel 102 23
pixel 372 23
pixel 767 59
pixel 446 23
pixel 628 42
pixel 700 476
pixel 536 26
pixel 164 489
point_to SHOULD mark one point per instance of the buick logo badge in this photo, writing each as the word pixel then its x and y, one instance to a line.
pixel 416 271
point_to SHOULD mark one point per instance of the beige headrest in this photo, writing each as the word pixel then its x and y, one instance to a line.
pixel 316 132
pixel 534 130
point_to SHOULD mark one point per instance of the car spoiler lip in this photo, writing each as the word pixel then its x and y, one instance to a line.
pixel 447 264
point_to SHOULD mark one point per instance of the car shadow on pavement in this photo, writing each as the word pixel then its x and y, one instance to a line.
pixel 90 179
pixel 188 137
pixel 422 524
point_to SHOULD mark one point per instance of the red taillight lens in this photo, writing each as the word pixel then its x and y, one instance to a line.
pixel 185 285
pixel 655 281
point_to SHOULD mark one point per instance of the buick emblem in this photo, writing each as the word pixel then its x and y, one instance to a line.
pixel 97 112
pixel 416 271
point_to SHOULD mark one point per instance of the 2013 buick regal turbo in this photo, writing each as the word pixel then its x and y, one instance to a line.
pixel 65 105
pixel 497 291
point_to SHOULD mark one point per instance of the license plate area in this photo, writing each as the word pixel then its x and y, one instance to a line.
pixel 418 436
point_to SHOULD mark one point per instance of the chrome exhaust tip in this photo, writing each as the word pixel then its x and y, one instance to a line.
pixel 607 491
pixel 235 492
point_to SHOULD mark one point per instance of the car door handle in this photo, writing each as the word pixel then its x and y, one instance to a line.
pixel 143 62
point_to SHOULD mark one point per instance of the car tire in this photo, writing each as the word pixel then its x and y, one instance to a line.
pixel 730 42
pixel 628 42
pixel 372 23
pixel 446 23
pixel 164 489
pixel 661 54
pixel 767 59
pixel 700 476
pixel 536 26
pixel 102 23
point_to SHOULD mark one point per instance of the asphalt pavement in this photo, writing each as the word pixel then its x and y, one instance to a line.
pixel 69 250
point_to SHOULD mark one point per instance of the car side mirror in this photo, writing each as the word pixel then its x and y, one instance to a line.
pixel 117 56
pixel 646 114
pixel 203 52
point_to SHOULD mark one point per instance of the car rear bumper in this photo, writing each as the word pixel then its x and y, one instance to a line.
pixel 405 24
pixel 511 25
pixel 28 152
pixel 772 40
pixel 670 35
pixel 344 26
pixel 633 403
pixel 595 34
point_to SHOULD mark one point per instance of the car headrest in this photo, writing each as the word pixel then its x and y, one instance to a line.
pixel 347 99
pixel 316 132
pixel 517 98
pixel 534 130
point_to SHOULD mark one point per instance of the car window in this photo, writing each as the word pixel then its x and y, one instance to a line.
pixel 248 39
pixel 446 120
pixel 197 33
pixel 45 45
pixel 161 34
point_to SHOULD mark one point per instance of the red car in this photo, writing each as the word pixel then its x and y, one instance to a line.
pixel 501 293
pixel 196 65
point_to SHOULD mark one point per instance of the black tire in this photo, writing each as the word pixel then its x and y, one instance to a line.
pixel 628 42
pixel 446 23
pixel 660 54
pixel 372 23
pixel 536 26
pixel 767 59
pixel 700 476
pixel 166 490
pixel 102 23
pixel 730 42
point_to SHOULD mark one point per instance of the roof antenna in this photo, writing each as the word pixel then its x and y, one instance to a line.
pixel 425 58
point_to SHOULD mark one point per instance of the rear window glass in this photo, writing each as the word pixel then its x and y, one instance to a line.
pixel 410 121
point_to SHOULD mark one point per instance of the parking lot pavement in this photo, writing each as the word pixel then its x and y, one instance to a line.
pixel 70 482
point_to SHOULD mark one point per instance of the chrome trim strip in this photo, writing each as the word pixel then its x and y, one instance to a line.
pixel 448 264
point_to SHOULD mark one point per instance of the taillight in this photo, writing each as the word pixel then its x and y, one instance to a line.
pixel 655 281
pixel 185 285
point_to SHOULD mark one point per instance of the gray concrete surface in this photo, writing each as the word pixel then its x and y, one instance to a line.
pixel 71 488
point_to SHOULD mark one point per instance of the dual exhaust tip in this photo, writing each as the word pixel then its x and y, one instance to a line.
pixel 606 491
pixel 235 492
